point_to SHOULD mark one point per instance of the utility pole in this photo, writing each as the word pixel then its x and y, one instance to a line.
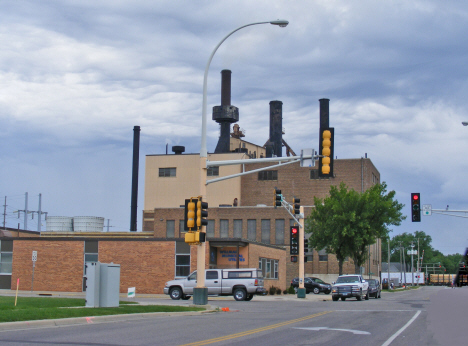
pixel 4 214
pixel 404 264
pixel 401 268
pixel 388 266
pixel 412 268
pixel 26 211
pixel 39 213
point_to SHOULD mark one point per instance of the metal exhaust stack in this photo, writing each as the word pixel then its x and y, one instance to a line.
pixel 136 160
pixel 226 114
pixel 276 129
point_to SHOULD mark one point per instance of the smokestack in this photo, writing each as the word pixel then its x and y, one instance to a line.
pixel 226 87
pixel 226 114
pixel 136 160
pixel 276 128
pixel 324 114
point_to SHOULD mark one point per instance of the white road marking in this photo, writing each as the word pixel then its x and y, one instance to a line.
pixel 389 341
pixel 340 330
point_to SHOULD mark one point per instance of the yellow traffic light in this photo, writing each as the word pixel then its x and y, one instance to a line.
pixel 191 214
pixel 202 213
pixel 326 153
pixel 190 237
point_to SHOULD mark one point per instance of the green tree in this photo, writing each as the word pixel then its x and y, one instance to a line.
pixel 380 211
pixel 332 223
pixel 430 256
pixel 404 240
pixel 346 222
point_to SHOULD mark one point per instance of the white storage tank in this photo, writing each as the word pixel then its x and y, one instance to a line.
pixel 59 224
pixel 88 224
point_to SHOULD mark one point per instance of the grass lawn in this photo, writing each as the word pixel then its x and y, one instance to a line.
pixel 42 308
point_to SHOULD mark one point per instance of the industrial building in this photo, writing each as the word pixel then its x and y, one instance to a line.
pixel 244 228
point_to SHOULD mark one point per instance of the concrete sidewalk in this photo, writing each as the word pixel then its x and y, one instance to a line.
pixel 162 297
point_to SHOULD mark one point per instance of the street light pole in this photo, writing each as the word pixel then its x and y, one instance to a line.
pixel 200 292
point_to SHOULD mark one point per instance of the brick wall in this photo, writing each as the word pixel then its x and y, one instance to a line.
pixel 257 251
pixel 145 265
pixel 294 181
pixel 59 265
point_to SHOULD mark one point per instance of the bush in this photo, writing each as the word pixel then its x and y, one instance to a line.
pixel 291 290
pixel 285 292
pixel 272 290
pixel 278 291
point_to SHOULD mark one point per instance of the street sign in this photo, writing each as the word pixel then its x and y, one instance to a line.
pixel 34 256
pixel 412 252
pixel 427 209
pixel 307 162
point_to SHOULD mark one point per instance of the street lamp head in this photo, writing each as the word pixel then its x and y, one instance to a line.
pixel 280 22
pixel 465 123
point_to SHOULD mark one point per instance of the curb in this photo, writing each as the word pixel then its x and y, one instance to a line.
pixel 64 322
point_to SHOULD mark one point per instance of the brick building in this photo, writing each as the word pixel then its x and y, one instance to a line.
pixel 252 217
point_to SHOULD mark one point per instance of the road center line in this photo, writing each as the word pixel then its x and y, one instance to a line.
pixel 389 341
pixel 253 331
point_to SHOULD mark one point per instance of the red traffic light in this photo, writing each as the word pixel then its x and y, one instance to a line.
pixel 294 230
pixel 415 197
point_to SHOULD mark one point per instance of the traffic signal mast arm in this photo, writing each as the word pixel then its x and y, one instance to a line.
pixel 290 207
pixel 288 160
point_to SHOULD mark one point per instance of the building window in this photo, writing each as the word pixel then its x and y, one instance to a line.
pixel 314 174
pixel 210 229
pixel 279 231
pixel 182 260
pixel 266 231
pixel 6 256
pixel 224 228
pixel 268 175
pixel 374 179
pixel 170 228
pixel 167 172
pixel 181 228
pixel 252 230
pixel 323 256
pixel 269 267
pixel 212 171
pixel 237 228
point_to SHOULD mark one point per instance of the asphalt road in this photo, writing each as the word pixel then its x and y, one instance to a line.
pixel 427 316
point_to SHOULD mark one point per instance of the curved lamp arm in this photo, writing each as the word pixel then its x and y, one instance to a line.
pixel 203 151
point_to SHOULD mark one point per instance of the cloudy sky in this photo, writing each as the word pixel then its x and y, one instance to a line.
pixel 77 76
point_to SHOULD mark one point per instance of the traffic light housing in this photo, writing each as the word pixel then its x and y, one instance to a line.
pixel 294 259
pixel 278 198
pixel 202 213
pixel 326 152
pixel 294 240
pixel 194 238
pixel 415 207
pixel 306 245
pixel 296 205
pixel 190 214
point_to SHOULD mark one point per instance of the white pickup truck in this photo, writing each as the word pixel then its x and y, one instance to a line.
pixel 349 286
pixel 243 284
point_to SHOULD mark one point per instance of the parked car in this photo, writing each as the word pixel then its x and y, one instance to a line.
pixel 314 285
pixel 374 288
